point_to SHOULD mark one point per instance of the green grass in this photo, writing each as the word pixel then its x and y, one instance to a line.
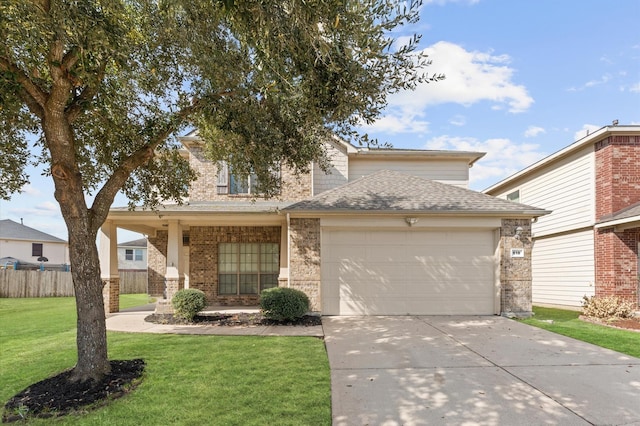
pixel 567 323
pixel 189 380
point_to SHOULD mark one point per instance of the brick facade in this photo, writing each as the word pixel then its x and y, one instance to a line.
pixel 203 257
pixel 204 188
pixel 304 259
pixel 157 263
pixel 617 187
pixel 515 272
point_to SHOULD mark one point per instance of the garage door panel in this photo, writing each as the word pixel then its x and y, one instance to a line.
pixel 396 273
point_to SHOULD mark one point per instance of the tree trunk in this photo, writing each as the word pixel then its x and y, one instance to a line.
pixel 93 362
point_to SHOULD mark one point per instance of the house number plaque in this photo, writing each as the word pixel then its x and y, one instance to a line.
pixel 517 252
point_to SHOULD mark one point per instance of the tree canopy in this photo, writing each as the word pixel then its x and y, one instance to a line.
pixel 106 85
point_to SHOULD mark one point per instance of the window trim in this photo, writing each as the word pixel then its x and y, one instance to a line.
pixel 225 178
pixel 514 196
pixel 37 249
pixel 239 274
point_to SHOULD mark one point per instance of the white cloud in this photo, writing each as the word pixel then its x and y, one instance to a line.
pixel 47 208
pixel 31 190
pixel 458 120
pixel 586 129
pixel 504 157
pixel 635 88
pixel 400 123
pixel 533 131
pixel 471 77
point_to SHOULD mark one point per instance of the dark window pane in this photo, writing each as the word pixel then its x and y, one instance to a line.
pixel 36 249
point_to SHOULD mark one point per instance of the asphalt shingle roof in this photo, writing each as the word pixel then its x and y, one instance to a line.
pixel 215 207
pixel 141 242
pixel 393 192
pixel 626 213
pixel 15 231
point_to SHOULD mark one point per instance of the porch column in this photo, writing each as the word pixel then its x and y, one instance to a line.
pixel 108 254
pixel 515 268
pixel 174 277
pixel 283 277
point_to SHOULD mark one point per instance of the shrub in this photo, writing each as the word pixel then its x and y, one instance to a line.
pixel 188 302
pixel 284 304
pixel 607 307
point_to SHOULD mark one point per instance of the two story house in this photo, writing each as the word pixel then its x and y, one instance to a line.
pixel 383 232
pixel 589 244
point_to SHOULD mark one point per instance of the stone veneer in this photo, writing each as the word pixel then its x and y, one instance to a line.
pixel 304 259
pixel 617 187
pixel 515 272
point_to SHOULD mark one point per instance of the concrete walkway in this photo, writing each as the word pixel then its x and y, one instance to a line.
pixel 132 321
pixel 473 371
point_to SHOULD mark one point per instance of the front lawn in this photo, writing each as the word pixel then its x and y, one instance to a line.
pixel 567 323
pixel 189 380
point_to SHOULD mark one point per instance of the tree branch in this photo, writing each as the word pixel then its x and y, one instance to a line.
pixel 34 97
pixel 87 94
pixel 104 198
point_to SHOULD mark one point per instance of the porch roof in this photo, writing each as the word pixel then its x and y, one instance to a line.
pixel 626 218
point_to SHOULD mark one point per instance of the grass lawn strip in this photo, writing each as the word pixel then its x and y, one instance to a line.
pixel 568 324
pixel 213 380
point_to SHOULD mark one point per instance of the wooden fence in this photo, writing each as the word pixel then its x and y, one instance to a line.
pixel 14 284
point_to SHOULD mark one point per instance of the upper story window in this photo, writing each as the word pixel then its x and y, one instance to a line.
pixel 231 183
pixel 514 196
pixel 36 249
pixel 131 254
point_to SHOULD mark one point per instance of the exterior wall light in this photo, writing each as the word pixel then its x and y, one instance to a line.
pixel 411 220
pixel 518 234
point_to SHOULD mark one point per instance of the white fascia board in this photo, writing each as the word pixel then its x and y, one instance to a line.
pixel 621 224
pixel 592 138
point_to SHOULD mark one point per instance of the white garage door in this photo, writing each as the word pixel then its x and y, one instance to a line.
pixel 407 272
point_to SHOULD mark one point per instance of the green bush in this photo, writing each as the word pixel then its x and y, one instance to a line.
pixel 284 304
pixel 607 307
pixel 188 302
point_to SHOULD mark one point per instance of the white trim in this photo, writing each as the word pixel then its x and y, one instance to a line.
pixel 635 220
pixel 585 141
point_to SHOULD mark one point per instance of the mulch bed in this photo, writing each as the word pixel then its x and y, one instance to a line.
pixel 233 320
pixel 59 396
pixel 631 324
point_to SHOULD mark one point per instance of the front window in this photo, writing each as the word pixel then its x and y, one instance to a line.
pixel 240 185
pixel 128 254
pixel 229 182
pixel 247 268
pixel 138 255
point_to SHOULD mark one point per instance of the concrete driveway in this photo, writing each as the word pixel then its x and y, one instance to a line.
pixel 473 371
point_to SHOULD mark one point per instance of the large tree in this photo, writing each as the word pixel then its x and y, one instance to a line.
pixel 105 86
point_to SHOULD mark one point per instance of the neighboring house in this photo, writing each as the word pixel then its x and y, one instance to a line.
pixel 385 232
pixel 28 244
pixel 132 255
pixel 589 244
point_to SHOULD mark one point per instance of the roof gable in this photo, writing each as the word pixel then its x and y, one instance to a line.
pixel 392 192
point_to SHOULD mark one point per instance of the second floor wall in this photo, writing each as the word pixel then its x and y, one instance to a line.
pixel 346 163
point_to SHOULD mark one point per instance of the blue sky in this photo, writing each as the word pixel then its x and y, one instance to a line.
pixel 525 78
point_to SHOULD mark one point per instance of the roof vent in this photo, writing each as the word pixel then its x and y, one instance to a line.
pixel 614 122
